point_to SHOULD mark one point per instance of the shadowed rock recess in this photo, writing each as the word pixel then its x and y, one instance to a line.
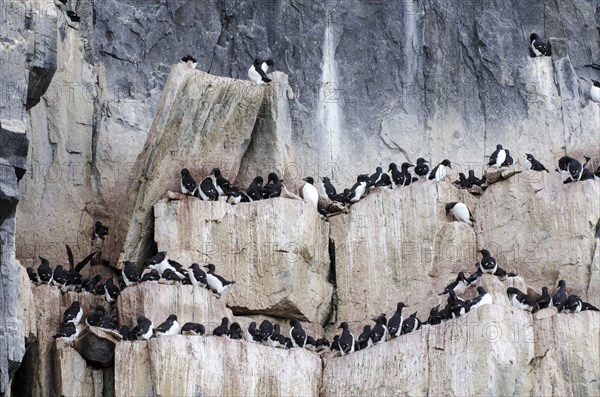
pixel 98 120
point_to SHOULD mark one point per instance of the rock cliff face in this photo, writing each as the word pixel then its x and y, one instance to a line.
pixel 76 115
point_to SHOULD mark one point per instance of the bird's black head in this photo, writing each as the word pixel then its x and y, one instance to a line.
pixel 533 36
pixel 484 252
pixel 392 166
pixel 406 166
pixel 172 317
pixel 309 179
pixel 561 283
pixel 528 156
pixel 498 147
pixel 379 169
pixel 256 62
pixel 224 321
pixel 420 161
pixel 343 325
pixel 382 320
pixel 447 163
pixel 273 178
pixel 293 322
pixel 544 290
pixel 400 305
pixel 184 172
pixel 471 173
pixel 362 178
pixel 461 175
pixel 210 267
pixel 326 180
pixel 449 206
pixel 216 172
pixel 259 180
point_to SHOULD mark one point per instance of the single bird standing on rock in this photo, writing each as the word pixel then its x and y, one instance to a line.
pixel 460 212
pixel 258 71
pixel 538 47
pixel 309 191
pixel 440 171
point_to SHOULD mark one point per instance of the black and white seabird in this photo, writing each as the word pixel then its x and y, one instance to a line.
pixel 252 335
pixel 311 343
pixel 235 331
pixel 255 190
pixel 406 175
pixel 572 167
pixel 197 276
pixel 329 189
pixel 215 282
pixel 68 331
pixel 498 157
pixel 221 184
pixel 380 331
pixel 129 274
pixel 422 169
pixel 346 340
pixel 170 277
pixel 487 264
pixel 73 314
pixel 375 177
pixel 258 71
pixel 265 330
pixel 456 306
pixel 297 334
pixel 33 276
pixel 411 324
pixel 189 61
pixel 223 329
pixel 595 91
pixel 237 195
pixel 145 328
pixel 95 319
pixel 111 291
pixel 535 164
pixel 483 298
pixel 322 345
pixel 100 232
pixel 463 181
pixel 509 160
pixel 188 184
pixel 169 327
pixel 545 300
pixel 193 329
pixel 364 339
pixel 207 190
pixel 152 275
pixel 473 180
pixel 45 271
pixel 309 191
pixel 275 340
pixel 396 175
pixel 458 285
pixel 537 45
pixel 59 276
pixel 359 189
pixel 519 299
pixel 395 323
pixel 573 304
pixel 460 212
pixel 560 297
pixel 273 186
pixel 440 171
pixel 73 16
pixel 434 316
